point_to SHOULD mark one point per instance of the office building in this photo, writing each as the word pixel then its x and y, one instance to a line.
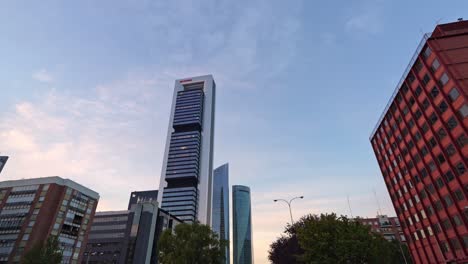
pixel 3 160
pixel 128 236
pixel 31 210
pixel 389 227
pixel 421 146
pixel 186 177
pixel 242 225
pixel 220 218
pixel 142 196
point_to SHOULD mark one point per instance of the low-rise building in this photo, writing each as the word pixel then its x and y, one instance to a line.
pixel 33 209
pixel 389 227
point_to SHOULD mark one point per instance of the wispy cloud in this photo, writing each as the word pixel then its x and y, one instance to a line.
pixel 43 76
pixel 366 17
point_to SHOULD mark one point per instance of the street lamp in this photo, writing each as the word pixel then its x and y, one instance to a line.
pixel 289 205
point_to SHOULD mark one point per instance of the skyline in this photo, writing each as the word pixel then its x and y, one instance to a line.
pixel 86 94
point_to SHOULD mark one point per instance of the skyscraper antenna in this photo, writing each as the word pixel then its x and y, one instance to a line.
pixel 377 201
pixel 349 205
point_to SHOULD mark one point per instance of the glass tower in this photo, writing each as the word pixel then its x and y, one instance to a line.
pixel 220 218
pixel 242 225
pixel 186 176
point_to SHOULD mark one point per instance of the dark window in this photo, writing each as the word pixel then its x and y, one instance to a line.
pixel 444 247
pixel 410 145
pixel 410 164
pixel 418 91
pixel 432 166
pixel 399 119
pixel 411 77
pixel 405 110
pixel 424 151
pixel 418 66
pixel 449 176
pixel 416 178
pixel 443 107
pixel 462 140
pixel 432 143
pixel 426 79
pixel 439 183
pixel 460 169
pixel 423 194
pixel 450 150
pixel 417 158
pixel 417 136
pixel 432 118
pixel 399 98
pixel 431 190
pixel 441 132
pixel 434 92
pixel 465 241
pixel 446 224
pixel 411 101
pixel 453 94
pixel 411 123
pixel 427 52
pixel 423 173
pixel 438 205
pixel 455 243
pixel 440 159
pixel 448 201
pixel 430 210
pixel 418 114
pixel 425 104
pixel 452 123
pixel 424 128
pixel 457 220
pixel 404 88
pixel 404 131
pixel 459 195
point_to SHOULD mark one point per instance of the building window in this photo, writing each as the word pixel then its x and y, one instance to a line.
pixel 435 65
pixel 411 77
pixel 427 52
pixel 418 91
pixel 437 228
pixel 424 128
pixel 425 104
pixel 452 123
pixel 455 243
pixel 448 201
pixel 443 107
pixel 432 166
pixel 424 151
pixel 450 150
pixel 446 224
pixel 449 176
pixel 418 114
pixel 432 143
pixel 453 94
pixel 460 168
pixel 459 195
pixel 462 140
pixel 404 88
pixel 423 173
pixel 463 111
pixel 417 136
pixel 444 79
pixel 426 79
pixel 431 190
pixel 430 210
pixel 434 92
pixel 432 118
pixel 440 159
pixel 439 183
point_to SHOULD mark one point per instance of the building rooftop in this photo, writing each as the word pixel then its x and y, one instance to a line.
pixel 50 180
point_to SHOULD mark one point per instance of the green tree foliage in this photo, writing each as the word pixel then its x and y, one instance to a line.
pixel 48 253
pixel 191 244
pixel 330 239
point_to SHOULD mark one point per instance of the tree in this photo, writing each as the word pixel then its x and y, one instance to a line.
pixel 331 239
pixel 50 253
pixel 191 244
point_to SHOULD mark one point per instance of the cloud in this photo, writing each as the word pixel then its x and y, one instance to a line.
pixel 367 17
pixel 43 76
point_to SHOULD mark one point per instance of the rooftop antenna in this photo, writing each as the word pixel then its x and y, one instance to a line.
pixel 349 205
pixel 377 201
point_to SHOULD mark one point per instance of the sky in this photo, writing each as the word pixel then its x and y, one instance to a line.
pixel 86 89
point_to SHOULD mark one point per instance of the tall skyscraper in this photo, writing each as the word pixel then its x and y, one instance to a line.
pixel 3 160
pixel 220 218
pixel 186 179
pixel 31 210
pixel 142 196
pixel 421 146
pixel 242 225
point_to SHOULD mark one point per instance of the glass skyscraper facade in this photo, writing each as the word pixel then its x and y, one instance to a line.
pixel 220 218
pixel 242 225
pixel 186 177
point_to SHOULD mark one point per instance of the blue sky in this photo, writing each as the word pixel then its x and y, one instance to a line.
pixel 86 89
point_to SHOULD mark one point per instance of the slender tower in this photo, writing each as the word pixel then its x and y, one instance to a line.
pixel 186 177
pixel 242 225
pixel 220 219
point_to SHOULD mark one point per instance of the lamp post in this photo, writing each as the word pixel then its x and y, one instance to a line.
pixel 289 205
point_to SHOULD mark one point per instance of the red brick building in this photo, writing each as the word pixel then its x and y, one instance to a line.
pixel 421 146
pixel 389 227
pixel 33 209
